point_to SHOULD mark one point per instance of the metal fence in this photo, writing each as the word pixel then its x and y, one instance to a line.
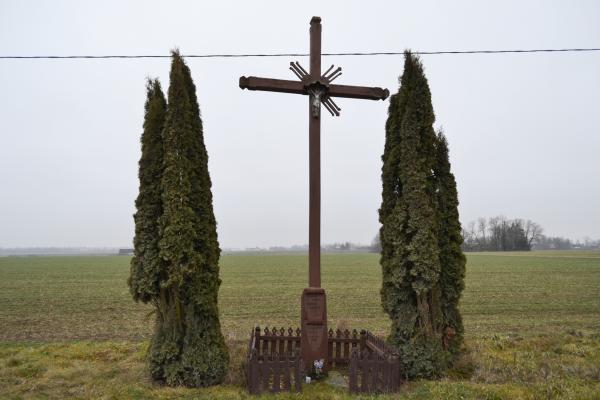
pixel 341 344
pixel 273 362
pixel 373 373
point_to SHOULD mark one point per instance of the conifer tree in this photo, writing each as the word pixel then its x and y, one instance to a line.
pixel 409 234
pixel 145 264
pixel 188 347
pixel 452 259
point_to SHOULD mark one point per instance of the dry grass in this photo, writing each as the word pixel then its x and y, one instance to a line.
pixel 565 366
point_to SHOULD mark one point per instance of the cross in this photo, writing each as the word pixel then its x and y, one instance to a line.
pixel 320 91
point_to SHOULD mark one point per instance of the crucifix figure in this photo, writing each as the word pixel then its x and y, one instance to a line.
pixel 320 90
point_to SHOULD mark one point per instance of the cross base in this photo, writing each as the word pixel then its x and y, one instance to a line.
pixel 313 341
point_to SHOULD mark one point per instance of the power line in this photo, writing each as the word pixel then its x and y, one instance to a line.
pixel 390 53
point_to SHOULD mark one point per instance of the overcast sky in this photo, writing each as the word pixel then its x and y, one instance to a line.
pixel 523 129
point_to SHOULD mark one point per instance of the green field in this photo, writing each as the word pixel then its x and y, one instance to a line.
pixel 69 329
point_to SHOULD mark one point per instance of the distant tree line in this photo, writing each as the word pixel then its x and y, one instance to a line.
pixel 553 243
pixel 500 234
pixel 336 247
pixel 493 234
pixel 560 243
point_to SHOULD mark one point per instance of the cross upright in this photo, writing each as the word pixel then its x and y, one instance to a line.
pixel 320 90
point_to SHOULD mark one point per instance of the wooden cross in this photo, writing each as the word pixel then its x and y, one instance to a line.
pixel 320 91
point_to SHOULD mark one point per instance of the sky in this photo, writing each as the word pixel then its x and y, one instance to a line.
pixel 523 129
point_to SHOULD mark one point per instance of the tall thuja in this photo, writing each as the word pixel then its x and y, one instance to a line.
pixel 145 264
pixel 410 261
pixel 450 239
pixel 188 347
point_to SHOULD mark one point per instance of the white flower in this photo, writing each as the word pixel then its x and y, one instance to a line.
pixel 319 364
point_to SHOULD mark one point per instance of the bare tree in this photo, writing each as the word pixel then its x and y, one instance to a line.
pixel 376 244
pixel 466 236
pixel 497 230
pixel 472 234
pixel 533 232
pixel 481 229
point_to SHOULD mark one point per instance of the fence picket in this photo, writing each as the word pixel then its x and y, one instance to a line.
pixel 363 373
pixel 298 368
pixel 377 372
pixel 264 374
pixel 352 372
pixel 338 348
pixel 286 373
pixel 330 344
pixel 385 375
pixel 346 348
pixel 276 374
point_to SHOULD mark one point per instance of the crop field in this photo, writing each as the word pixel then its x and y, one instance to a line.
pixel 69 329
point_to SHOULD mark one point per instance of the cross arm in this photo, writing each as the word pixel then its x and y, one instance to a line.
pixel 271 85
pixel 358 92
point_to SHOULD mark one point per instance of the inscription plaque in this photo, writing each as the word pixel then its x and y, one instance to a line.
pixel 314 310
